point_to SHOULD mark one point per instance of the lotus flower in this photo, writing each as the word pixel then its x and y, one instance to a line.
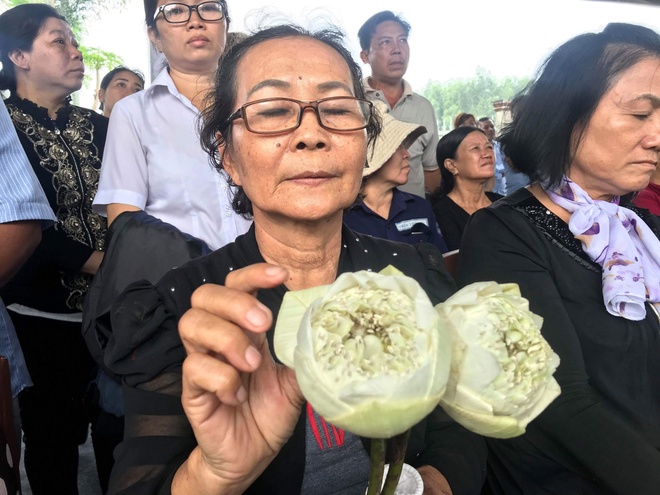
pixel 369 352
pixel 502 367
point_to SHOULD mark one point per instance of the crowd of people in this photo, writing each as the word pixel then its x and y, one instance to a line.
pixel 146 251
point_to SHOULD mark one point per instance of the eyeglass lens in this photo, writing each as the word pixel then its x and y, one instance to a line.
pixel 281 115
pixel 180 12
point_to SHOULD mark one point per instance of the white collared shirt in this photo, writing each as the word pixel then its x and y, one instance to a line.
pixel 153 160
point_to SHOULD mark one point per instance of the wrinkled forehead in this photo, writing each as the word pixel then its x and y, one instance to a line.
pixel 294 60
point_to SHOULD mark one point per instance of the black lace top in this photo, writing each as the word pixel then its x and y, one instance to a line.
pixel 65 155
pixel 602 434
pixel 146 351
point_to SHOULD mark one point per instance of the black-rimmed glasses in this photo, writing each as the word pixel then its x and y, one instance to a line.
pixel 178 13
pixel 279 115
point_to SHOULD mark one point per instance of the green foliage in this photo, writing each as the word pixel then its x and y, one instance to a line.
pixel 76 12
pixel 474 95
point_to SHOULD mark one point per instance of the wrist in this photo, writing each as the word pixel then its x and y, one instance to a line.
pixel 196 476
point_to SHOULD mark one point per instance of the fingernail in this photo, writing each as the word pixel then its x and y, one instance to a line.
pixel 256 316
pixel 272 271
pixel 253 356
pixel 241 395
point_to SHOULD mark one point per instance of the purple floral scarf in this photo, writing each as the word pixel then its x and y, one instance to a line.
pixel 619 241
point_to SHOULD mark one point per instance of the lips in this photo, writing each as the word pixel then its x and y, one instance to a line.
pixel 312 175
pixel 196 39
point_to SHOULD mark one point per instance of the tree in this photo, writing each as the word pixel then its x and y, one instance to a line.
pixel 474 95
pixel 98 59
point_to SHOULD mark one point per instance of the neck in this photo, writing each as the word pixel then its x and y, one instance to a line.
pixel 545 200
pixel 309 251
pixel 193 86
pixel 44 99
pixel 378 197
pixel 469 195
pixel 392 89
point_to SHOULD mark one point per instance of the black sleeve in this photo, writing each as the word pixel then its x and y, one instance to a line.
pixel 501 244
pixel 146 350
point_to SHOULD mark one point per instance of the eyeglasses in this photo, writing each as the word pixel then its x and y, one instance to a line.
pixel 279 115
pixel 178 13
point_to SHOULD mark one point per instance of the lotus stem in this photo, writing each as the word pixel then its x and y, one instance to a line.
pixel 397 447
pixel 377 466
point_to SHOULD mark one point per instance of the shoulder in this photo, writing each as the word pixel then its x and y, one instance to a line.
pixel 413 201
pixel 135 103
pixel 422 261
pixel 442 201
pixel 95 118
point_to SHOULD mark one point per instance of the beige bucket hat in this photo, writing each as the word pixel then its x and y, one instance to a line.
pixel 394 134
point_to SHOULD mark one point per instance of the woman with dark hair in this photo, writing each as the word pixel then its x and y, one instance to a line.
pixel 467 161
pixel 587 133
pixel 209 411
pixel 117 84
pixel 153 160
pixel 41 67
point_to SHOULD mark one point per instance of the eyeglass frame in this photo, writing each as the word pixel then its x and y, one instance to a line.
pixel 304 105
pixel 223 4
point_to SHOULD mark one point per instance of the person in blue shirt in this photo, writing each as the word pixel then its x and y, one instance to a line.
pixel 22 205
pixel 383 210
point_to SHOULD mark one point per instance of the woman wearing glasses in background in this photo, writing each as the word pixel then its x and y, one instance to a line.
pixel 153 160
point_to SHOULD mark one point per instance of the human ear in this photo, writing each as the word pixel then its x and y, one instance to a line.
pixel 228 164
pixel 155 39
pixel 101 95
pixel 364 56
pixel 450 165
pixel 19 59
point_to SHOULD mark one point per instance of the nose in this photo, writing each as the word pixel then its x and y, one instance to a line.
pixel 195 18
pixel 652 140
pixel 310 134
pixel 76 53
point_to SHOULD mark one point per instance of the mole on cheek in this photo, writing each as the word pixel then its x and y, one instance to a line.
pixel 277 145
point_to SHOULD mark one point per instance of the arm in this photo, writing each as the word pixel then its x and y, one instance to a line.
pixel 432 174
pixel 500 244
pixel 124 181
pixel 21 202
pixel 18 241
pixel 225 413
pixel 113 210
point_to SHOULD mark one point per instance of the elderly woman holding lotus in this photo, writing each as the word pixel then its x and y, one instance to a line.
pixel 209 410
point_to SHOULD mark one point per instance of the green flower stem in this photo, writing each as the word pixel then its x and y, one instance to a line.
pixel 398 454
pixel 377 465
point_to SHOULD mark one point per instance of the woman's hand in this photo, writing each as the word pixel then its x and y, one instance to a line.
pixel 242 406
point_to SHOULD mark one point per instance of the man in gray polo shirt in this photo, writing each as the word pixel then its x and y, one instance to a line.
pixel 384 43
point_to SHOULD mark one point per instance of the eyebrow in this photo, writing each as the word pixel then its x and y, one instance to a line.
pixel 277 83
pixel 653 99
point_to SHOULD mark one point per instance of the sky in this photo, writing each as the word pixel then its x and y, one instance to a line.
pixel 449 38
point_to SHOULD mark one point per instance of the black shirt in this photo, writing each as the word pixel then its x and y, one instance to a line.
pixel 602 434
pixel 65 155
pixel 147 351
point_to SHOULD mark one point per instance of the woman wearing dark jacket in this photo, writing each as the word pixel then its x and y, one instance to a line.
pixel 64 143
